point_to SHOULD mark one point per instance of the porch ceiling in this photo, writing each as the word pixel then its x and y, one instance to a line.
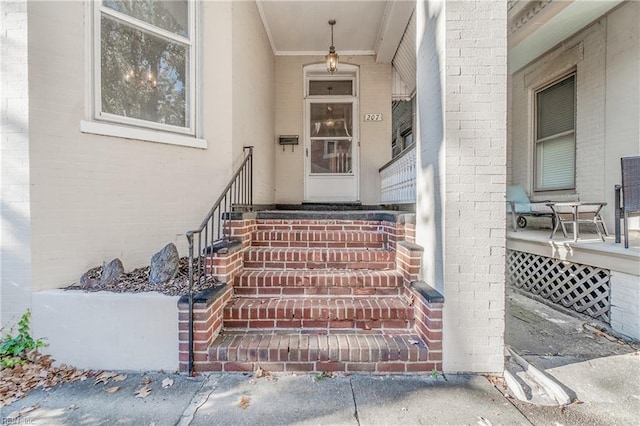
pixel 537 26
pixel 372 27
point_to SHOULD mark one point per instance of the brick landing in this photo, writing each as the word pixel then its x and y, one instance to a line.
pixel 328 291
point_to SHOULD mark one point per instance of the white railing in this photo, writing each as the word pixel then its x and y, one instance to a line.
pixel 398 178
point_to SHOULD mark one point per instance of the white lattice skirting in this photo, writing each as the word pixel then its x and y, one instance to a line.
pixel 583 288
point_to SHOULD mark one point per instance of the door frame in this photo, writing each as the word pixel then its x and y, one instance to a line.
pixel 318 72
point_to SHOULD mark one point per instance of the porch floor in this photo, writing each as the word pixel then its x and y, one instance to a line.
pixel 589 249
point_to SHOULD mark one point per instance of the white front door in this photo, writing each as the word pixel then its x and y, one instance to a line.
pixel 331 147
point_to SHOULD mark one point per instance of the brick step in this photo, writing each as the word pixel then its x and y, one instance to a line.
pixel 319 225
pixel 318 282
pixel 319 239
pixel 318 313
pixel 374 351
pixel 293 258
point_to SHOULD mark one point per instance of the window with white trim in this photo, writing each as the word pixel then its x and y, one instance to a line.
pixel 555 135
pixel 144 64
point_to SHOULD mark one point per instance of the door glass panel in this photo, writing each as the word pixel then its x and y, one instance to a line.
pixel 330 156
pixel 331 120
pixel 330 88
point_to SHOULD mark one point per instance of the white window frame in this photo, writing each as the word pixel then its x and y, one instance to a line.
pixel 103 123
pixel 537 141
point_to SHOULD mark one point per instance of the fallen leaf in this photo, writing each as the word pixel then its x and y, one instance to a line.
pixel 19 413
pixel 104 377
pixel 143 392
pixel 113 389
pixel 119 378
pixel 167 383
pixel 259 372
pixel 244 402
pixel 484 422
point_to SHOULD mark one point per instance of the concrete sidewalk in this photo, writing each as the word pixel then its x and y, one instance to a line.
pixel 233 399
pixel 601 375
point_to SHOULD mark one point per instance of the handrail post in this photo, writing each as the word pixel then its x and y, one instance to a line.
pixel 221 219
pixel 190 242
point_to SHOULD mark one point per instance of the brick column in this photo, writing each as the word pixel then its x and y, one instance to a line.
pixel 461 164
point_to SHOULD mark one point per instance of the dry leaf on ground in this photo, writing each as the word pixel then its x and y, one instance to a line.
pixel 143 392
pixel 167 383
pixel 244 402
pixel 16 382
pixel 104 377
pixel 19 413
pixel 259 372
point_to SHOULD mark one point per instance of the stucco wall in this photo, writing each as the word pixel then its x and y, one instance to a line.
pixel 98 197
pixel 375 137
pixel 606 56
pixel 460 217
pixel 253 96
pixel 15 226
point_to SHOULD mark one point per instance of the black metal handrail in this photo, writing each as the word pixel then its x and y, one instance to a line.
pixel 213 232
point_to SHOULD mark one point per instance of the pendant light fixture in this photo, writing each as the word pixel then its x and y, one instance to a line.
pixel 332 57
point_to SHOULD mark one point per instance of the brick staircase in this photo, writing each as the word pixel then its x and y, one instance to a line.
pixel 310 291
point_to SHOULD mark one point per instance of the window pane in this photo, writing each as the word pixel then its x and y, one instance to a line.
pixel 330 156
pixel 143 76
pixel 331 120
pixel 170 15
pixel 556 163
pixel 330 87
pixel 556 108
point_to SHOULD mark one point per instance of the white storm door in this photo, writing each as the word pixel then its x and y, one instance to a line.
pixel 331 150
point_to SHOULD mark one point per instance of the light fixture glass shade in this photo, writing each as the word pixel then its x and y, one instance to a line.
pixel 332 60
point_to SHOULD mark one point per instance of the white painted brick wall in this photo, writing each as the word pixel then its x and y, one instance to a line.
pixel 607 88
pixel 625 304
pixel 15 227
pixel 461 214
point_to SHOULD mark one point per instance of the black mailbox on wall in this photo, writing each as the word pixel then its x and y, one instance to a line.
pixel 288 140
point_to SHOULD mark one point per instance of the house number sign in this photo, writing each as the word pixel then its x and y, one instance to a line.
pixel 373 117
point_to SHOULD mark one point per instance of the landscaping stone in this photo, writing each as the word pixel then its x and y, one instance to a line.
pixel 164 265
pixel 91 278
pixel 111 272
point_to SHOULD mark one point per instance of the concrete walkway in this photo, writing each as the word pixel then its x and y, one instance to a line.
pixel 599 371
pixel 234 399
pixel 600 374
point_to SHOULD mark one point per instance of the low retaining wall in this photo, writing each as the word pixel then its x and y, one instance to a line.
pixel 102 330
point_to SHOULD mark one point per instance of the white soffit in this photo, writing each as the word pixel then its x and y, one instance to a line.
pixel 404 62
pixel 362 27
pixel 396 17
pixel 571 19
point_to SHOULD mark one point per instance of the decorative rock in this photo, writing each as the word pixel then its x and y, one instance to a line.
pixel 164 265
pixel 87 280
pixel 111 272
